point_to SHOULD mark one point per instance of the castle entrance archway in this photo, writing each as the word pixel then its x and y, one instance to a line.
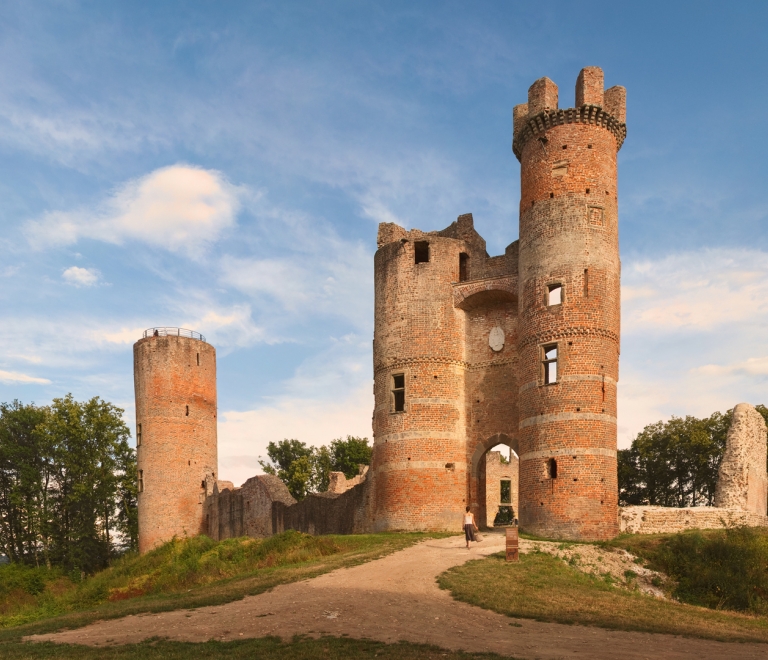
pixel 486 475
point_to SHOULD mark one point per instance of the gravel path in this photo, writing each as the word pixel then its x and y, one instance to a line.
pixel 396 598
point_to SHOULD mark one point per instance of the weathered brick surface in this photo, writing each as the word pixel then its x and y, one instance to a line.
pixel 175 386
pixel 668 520
pixel 742 479
pixel 463 397
pixel 325 513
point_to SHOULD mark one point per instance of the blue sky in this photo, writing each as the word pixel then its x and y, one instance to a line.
pixel 223 167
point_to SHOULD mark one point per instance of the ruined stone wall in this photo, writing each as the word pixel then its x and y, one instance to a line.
pixel 742 482
pixel 325 513
pixel 569 238
pixel 340 484
pixel 495 471
pixel 244 511
pixel 669 520
pixel 175 387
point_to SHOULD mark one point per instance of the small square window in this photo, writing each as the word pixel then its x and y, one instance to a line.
pixel 398 393
pixel 554 294
pixel 550 363
pixel 421 249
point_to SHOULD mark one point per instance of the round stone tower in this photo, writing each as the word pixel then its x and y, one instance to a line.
pixel 419 466
pixel 175 383
pixel 569 305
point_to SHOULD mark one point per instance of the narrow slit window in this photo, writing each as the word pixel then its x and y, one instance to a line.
pixel 554 294
pixel 138 435
pixel 552 468
pixel 463 267
pixel 398 392
pixel 198 359
pixel 141 481
pixel 422 252
pixel 187 413
pixel 550 364
pixel 586 282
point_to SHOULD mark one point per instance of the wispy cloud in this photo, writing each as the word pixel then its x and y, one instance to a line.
pixel 179 208
pixel 16 377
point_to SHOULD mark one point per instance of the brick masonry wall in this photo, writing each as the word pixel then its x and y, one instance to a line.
pixel 325 513
pixel 668 520
pixel 176 452
pixel 569 237
pixel 434 330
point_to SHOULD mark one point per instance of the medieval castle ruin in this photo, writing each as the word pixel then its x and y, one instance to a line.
pixel 470 352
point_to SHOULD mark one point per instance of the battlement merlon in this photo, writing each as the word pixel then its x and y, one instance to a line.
pixel 593 106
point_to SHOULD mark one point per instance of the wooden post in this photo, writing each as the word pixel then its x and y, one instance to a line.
pixel 512 537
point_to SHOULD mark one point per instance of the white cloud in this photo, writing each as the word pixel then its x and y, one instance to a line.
pixel 695 291
pixel 16 377
pixel 180 208
pixel 80 276
pixel 693 335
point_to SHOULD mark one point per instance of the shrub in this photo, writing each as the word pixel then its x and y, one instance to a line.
pixel 727 569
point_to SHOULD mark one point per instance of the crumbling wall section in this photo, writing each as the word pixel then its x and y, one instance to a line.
pixel 245 511
pixel 742 482
pixel 324 513
pixel 669 520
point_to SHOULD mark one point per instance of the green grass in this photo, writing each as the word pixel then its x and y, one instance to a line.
pixel 267 648
pixel 545 588
pixel 719 569
pixel 189 573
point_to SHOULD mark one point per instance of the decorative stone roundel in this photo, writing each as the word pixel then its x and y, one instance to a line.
pixel 496 339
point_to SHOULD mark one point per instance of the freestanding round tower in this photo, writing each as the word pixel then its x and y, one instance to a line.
pixel 419 465
pixel 175 384
pixel 569 307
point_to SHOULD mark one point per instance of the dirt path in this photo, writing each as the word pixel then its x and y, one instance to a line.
pixel 396 598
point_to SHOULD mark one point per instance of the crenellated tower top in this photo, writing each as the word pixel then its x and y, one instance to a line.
pixel 593 106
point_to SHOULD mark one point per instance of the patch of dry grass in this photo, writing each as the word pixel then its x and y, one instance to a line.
pixel 544 588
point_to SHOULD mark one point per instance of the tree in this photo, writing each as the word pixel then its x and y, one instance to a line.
pixel 306 469
pixel 348 455
pixel 67 483
pixel 675 463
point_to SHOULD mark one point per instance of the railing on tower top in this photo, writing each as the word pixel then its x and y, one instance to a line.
pixel 173 332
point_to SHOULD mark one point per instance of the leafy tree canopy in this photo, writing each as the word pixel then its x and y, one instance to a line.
pixel 305 469
pixel 675 463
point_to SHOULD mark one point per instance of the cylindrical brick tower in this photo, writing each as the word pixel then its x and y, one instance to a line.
pixel 568 339
pixel 419 464
pixel 175 383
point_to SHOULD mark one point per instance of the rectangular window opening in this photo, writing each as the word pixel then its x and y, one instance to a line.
pixel 198 359
pixel 463 267
pixel 398 392
pixel 141 481
pixel 550 364
pixel 421 249
pixel 138 435
pixel 187 411
pixel 586 282
pixel 506 491
pixel 554 294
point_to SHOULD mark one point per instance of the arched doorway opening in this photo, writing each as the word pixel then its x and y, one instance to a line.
pixel 493 480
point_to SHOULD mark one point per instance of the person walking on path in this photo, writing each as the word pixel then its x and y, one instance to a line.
pixel 469 526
